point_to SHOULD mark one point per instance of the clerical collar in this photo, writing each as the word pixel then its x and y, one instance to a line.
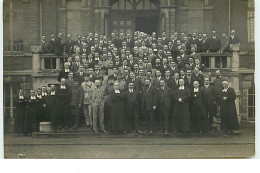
pixel 117 91
pixel 33 98
pixel 52 93
pixel 196 90
pixel 181 87
pixel 225 90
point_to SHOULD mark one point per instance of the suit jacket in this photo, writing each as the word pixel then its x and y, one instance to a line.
pixel 63 74
pixel 77 95
pixel 169 82
pixel 214 44
pixel 165 97
pixel 149 98
pixel 80 78
pixel 210 94
pixel 75 67
pixel 156 82
pixel 69 47
pixel 235 40
pixel 51 46
pixel 137 83
pixel 45 47
pixel 58 47
pixel 132 99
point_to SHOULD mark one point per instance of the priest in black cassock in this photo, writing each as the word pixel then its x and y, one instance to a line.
pixel 61 112
pixel 181 114
pixel 228 111
pixel 118 117
pixel 32 116
pixel 20 113
pixel 199 117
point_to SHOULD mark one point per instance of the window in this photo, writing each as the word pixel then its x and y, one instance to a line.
pixel 251 21
pixel 13 26
pixel 134 4
pixel 251 102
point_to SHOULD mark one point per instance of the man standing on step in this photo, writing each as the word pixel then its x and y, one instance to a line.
pixel 76 101
pixel 97 99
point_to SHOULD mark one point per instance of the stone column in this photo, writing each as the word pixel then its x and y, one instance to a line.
pixel 235 57
pixel 36 60
pixel 234 82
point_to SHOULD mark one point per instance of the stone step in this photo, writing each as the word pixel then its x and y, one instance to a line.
pixel 89 133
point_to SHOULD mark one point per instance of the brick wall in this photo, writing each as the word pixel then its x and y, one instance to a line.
pixel 239 21
pixel 31 24
pixel 49 19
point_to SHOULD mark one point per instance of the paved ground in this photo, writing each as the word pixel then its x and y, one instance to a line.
pixel 179 146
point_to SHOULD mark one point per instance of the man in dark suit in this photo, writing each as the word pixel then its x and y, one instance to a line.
pixel 44 45
pixel 76 64
pixel 51 43
pixel 156 81
pixel 133 79
pixel 233 38
pixel 214 42
pixel 132 97
pixel 149 103
pixel 168 79
pixel 64 73
pixel 164 105
pixel 189 79
pixel 92 77
pixel 175 83
pixel 211 106
pixel 58 46
pixel 69 45
pixel 80 74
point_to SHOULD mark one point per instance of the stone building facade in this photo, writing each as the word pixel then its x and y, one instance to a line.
pixel 25 21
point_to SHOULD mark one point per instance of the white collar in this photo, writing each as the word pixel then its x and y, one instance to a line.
pixel 21 97
pixel 44 94
pixel 52 93
pixel 181 87
pixel 67 70
pixel 63 87
pixel 117 91
pixel 33 97
pixel 225 90
pixel 196 90
pixel 39 96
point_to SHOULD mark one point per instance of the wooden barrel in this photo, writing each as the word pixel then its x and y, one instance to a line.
pixel 46 127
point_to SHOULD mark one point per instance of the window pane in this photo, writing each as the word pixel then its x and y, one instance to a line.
pixel 121 22
pixel 139 5
pixel 114 22
pixel 147 4
pixel 129 6
pixel 128 22
pixel 115 6
pixel 121 4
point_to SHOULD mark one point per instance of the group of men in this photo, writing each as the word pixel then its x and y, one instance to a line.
pixel 133 84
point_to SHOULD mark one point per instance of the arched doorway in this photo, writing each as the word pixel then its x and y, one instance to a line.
pixel 130 15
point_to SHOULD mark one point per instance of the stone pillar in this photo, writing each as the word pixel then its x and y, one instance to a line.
pixel 100 13
pixel 36 60
pixel 234 82
pixel 212 62
pixel 169 14
pixel 235 57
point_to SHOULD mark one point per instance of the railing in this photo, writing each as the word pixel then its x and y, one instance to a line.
pixel 15 47
pixel 52 62
pixel 216 60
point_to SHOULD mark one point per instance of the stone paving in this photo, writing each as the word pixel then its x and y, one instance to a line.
pixel 123 146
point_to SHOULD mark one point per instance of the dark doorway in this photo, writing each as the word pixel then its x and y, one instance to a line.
pixel 146 24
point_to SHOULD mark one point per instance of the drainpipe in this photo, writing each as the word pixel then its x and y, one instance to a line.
pixel 229 16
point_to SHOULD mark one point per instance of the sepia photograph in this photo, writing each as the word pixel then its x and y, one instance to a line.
pixel 128 79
